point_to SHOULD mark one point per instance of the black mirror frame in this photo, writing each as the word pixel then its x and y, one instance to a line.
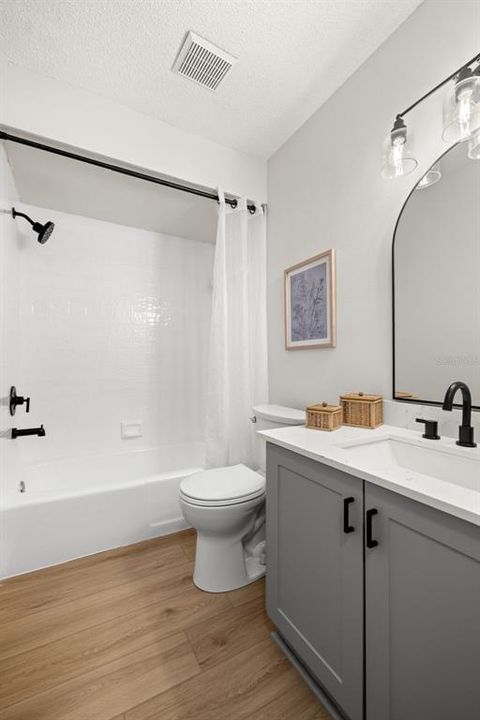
pixel 412 401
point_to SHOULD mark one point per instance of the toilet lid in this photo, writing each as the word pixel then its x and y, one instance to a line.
pixel 223 484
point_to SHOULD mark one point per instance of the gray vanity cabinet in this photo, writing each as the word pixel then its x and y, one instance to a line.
pixel 422 612
pixel 413 569
pixel 315 570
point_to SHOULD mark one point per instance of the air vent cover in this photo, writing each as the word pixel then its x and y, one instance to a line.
pixel 202 62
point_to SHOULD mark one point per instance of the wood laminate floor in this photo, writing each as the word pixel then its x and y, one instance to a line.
pixel 125 635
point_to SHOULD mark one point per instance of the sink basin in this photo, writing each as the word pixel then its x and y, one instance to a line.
pixel 443 463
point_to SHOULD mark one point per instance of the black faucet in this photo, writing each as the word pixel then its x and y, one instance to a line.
pixel 465 431
pixel 40 431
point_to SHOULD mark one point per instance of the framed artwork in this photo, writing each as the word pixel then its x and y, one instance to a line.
pixel 310 303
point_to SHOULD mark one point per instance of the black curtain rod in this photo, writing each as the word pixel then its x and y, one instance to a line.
pixel 233 202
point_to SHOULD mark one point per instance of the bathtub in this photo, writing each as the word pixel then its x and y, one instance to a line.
pixel 75 507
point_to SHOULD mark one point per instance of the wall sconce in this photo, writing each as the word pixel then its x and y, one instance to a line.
pixel 462 107
pixel 398 158
pixel 461 121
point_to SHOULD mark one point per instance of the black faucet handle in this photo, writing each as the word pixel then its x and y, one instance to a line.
pixel 431 428
pixel 16 400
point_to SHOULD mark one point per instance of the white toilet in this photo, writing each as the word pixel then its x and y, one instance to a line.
pixel 227 508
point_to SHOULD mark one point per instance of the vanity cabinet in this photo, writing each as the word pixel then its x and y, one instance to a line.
pixel 315 570
pixel 415 643
pixel 422 590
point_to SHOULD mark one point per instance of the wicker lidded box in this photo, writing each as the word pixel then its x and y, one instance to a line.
pixel 324 416
pixel 360 410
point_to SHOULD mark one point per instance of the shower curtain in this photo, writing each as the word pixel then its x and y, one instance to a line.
pixel 237 367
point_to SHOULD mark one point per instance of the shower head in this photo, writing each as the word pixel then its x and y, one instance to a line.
pixel 43 231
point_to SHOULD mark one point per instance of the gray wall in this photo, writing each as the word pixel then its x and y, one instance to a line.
pixel 325 191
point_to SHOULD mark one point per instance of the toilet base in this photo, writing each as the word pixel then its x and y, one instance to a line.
pixel 223 566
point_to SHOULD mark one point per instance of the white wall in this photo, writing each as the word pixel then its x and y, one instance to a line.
pixel 113 328
pixel 325 191
pixel 40 106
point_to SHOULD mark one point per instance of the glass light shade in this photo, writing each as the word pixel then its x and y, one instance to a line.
pixel 431 177
pixel 461 112
pixel 397 157
pixel 474 147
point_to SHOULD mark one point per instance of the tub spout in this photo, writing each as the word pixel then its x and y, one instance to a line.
pixel 39 431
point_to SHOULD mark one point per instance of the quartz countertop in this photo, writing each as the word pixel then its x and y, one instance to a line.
pixel 331 448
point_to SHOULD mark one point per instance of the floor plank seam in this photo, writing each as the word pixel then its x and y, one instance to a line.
pixel 79 675
pixel 101 675
pixel 89 627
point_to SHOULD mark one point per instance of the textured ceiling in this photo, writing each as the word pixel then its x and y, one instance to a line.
pixel 293 54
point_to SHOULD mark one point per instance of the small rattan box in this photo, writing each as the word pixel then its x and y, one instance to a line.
pixel 324 417
pixel 360 410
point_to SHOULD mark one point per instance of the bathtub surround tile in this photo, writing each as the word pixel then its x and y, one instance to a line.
pixel 164 651
pixel 126 313
pixel 98 693
pixel 44 667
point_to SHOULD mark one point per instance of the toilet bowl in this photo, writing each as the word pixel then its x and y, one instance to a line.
pixel 226 506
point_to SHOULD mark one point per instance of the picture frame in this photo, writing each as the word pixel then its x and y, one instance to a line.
pixel 310 313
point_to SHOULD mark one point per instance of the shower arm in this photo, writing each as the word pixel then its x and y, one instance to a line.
pixel 16 214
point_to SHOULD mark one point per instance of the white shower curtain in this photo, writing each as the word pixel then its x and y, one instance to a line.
pixel 237 369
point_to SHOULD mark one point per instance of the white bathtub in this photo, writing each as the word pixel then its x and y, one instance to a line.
pixel 76 507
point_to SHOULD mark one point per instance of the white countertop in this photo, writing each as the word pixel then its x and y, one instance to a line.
pixel 450 497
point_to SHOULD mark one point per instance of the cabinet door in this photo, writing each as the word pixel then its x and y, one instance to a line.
pixel 315 571
pixel 422 612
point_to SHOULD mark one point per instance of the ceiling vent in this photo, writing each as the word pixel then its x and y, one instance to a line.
pixel 202 62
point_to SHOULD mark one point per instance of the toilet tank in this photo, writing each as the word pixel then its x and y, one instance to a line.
pixel 268 417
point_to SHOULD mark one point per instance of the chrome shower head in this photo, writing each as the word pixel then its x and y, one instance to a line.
pixel 43 231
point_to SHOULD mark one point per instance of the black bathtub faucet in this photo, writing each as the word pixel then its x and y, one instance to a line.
pixel 40 431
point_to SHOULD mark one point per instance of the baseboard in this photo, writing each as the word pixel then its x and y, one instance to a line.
pixel 312 684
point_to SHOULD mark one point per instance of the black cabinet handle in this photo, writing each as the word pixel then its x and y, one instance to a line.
pixel 347 528
pixel 371 543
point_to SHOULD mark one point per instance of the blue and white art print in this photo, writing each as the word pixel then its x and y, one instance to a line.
pixel 310 303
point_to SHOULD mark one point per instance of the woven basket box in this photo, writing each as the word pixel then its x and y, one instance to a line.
pixel 324 417
pixel 360 410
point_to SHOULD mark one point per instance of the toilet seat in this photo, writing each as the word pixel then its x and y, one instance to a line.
pixel 222 486
pixel 220 503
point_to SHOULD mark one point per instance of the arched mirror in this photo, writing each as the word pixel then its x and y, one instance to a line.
pixel 436 282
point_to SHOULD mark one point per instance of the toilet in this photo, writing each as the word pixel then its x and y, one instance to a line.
pixel 226 506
